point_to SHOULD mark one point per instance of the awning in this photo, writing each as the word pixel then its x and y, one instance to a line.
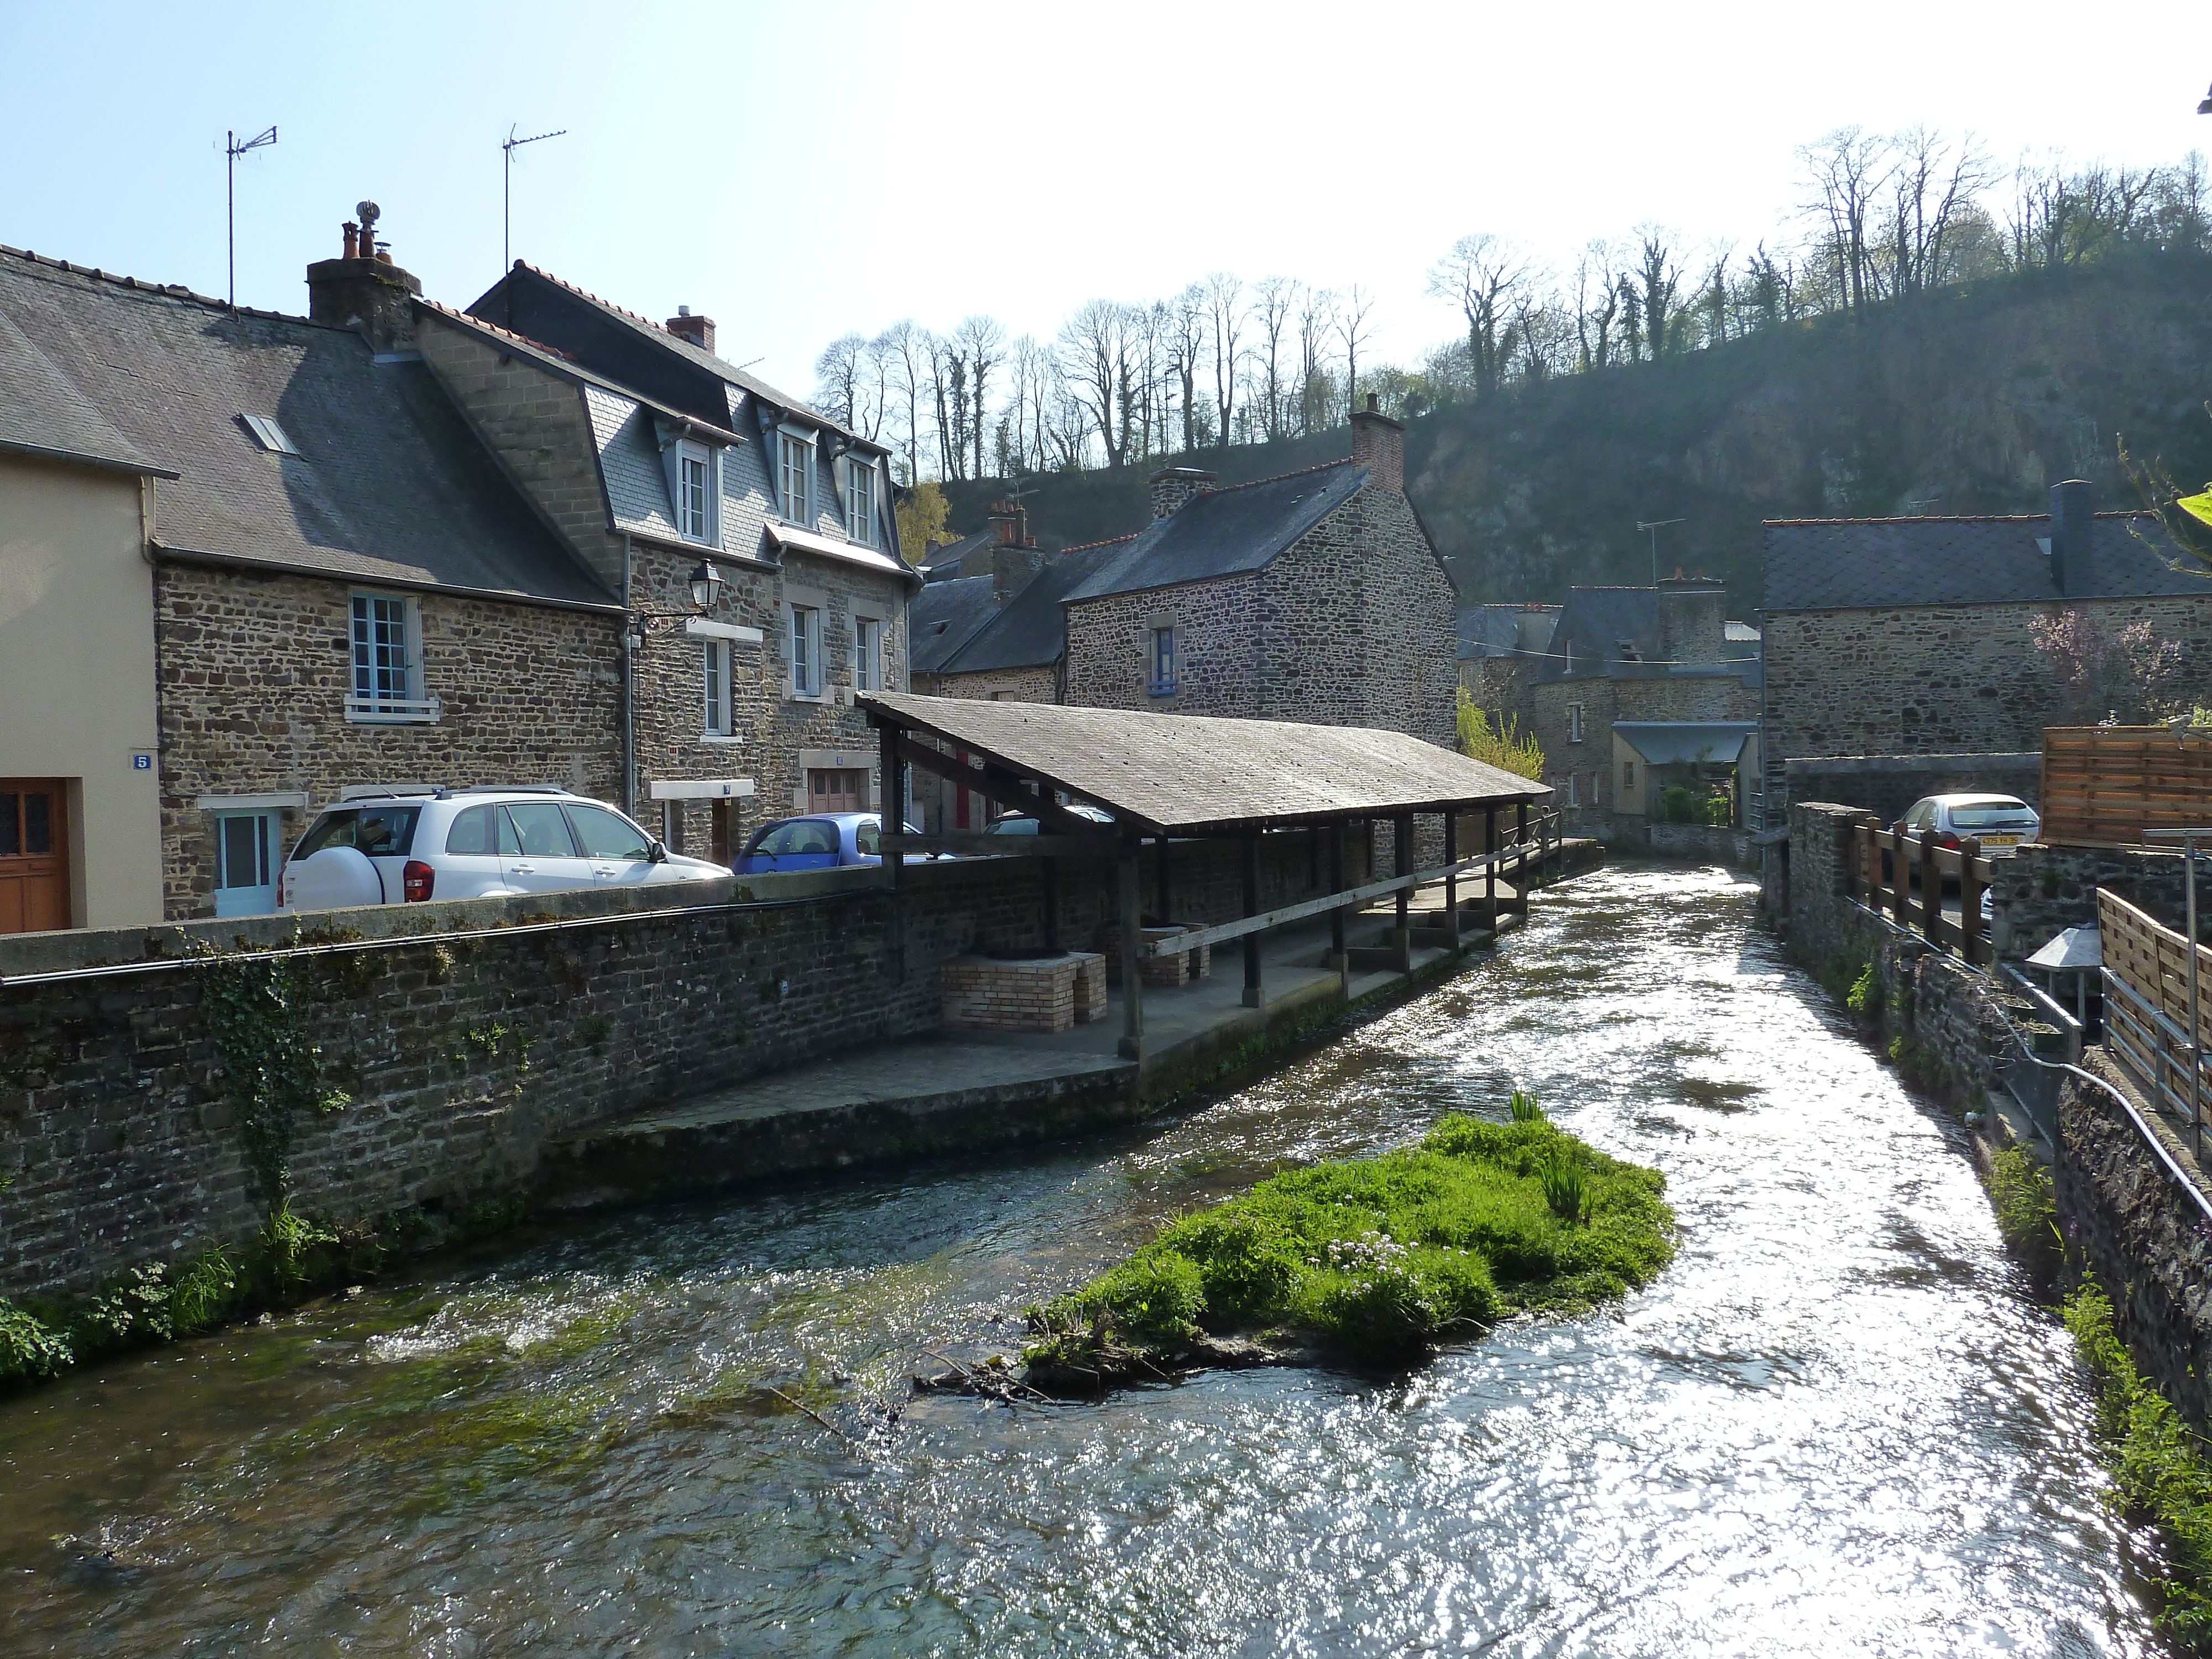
pixel 2076 947
pixel 1184 773
pixel 808 541
pixel 1672 743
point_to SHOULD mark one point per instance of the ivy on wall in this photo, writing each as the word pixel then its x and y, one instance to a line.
pixel 271 1073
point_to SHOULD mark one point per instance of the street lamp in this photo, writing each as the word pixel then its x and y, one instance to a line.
pixel 706 589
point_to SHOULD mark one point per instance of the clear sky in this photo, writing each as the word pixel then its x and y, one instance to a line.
pixel 798 171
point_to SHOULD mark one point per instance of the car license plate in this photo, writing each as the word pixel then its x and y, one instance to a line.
pixel 2000 841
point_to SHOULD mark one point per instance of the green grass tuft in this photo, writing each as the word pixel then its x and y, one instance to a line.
pixel 2027 1216
pixel 1524 1108
pixel 2160 1471
pixel 1861 997
pixel 1384 1256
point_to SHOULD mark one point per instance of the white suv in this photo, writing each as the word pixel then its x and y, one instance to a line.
pixel 390 847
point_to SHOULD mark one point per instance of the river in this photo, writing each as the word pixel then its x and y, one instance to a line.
pixel 1839 1424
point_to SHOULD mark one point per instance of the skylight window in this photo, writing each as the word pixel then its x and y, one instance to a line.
pixel 270 435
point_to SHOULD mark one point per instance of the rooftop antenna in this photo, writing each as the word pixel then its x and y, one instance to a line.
pixel 232 150
pixel 1655 525
pixel 507 202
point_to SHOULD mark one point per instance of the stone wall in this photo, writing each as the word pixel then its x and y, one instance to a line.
pixel 468 1046
pixel 1938 679
pixel 254 671
pixel 1720 695
pixel 1887 785
pixel 1039 684
pixel 2038 891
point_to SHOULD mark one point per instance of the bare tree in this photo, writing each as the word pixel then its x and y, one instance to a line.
pixel 1847 170
pixel 904 349
pixel 1317 320
pixel 1226 315
pixel 837 375
pixel 1483 275
pixel 1597 304
pixel 1094 357
pixel 1658 278
pixel 983 343
pixel 1352 312
pixel 1932 187
pixel 1277 299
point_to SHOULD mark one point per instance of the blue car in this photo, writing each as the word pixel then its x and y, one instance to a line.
pixel 826 843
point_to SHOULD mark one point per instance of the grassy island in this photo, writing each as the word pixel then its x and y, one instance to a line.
pixel 1374 1258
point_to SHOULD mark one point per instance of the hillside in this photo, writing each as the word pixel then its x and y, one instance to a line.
pixel 1971 400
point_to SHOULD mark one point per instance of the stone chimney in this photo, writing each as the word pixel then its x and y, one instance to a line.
pixel 1012 567
pixel 1691 627
pixel 1378 443
pixel 1174 485
pixel 700 330
pixel 363 288
pixel 2073 537
pixel 1011 521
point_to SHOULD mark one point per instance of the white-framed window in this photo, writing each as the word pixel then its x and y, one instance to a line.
pixel 1160 668
pixel 386 685
pixel 805 651
pixel 691 480
pixel 1627 780
pixel 867 654
pixel 795 473
pixel 1574 789
pixel 716 685
pixel 1574 722
pixel 860 500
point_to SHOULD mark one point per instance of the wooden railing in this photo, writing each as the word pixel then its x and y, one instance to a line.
pixel 2103 786
pixel 1903 876
pixel 2147 1020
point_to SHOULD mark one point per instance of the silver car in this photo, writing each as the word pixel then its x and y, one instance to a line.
pixel 2001 822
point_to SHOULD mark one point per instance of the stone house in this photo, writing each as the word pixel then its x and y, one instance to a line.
pixel 1642 657
pixel 1315 597
pixel 1500 647
pixel 250 560
pixel 1895 638
pixel 652 456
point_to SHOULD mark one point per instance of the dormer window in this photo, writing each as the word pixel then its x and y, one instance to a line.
pixel 794 469
pixel 270 435
pixel 697 494
pixel 860 500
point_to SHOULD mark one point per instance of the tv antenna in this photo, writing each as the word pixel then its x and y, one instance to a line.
pixel 506 192
pixel 1655 525
pixel 232 150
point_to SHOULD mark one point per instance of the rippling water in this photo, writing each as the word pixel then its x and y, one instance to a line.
pixel 1836 1425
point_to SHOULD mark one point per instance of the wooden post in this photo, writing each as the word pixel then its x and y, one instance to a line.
pixel 1162 895
pixel 1489 870
pixel 1451 882
pixel 1970 900
pixel 1900 880
pixel 1051 877
pixel 1337 956
pixel 1931 892
pixel 892 794
pixel 1133 935
pixel 1401 864
pixel 1520 859
pixel 1255 996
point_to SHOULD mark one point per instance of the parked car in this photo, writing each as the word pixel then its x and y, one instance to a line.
pixel 1022 824
pixel 471 843
pixel 824 842
pixel 2002 821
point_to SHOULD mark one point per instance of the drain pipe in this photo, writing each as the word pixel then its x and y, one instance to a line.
pixel 628 694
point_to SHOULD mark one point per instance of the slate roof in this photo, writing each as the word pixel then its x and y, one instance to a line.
pixel 1847 564
pixel 633 349
pixel 943 617
pixel 1189 772
pixel 1505 630
pixel 1030 629
pixel 1596 620
pixel 45 414
pixel 390 484
pixel 1667 742
pixel 947 556
pixel 1224 532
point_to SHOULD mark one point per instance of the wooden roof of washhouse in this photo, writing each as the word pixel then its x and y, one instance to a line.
pixel 1182 773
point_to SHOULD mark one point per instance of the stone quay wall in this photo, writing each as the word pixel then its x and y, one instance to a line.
pixel 469 1035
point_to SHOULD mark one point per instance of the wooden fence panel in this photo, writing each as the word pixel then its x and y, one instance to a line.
pixel 2153 961
pixel 2103 786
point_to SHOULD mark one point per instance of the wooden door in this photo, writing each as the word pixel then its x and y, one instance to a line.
pixel 34 874
pixel 829 791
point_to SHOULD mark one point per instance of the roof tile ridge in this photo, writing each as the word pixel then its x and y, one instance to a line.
pixel 488 327
pixel 1939 518
pixel 168 290
pixel 1111 541
pixel 1277 478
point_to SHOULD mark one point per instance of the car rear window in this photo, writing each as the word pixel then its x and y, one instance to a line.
pixel 799 835
pixel 868 838
pixel 536 829
pixel 1983 814
pixel 378 831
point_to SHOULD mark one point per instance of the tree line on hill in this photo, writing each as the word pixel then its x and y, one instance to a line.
pixel 1224 361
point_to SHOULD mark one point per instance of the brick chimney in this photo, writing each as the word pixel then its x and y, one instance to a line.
pixel 2073 537
pixel 1378 443
pixel 363 288
pixel 700 330
pixel 1174 485
pixel 1691 627
pixel 1011 521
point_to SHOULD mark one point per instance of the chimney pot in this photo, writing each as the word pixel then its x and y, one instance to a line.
pixel 1374 403
pixel 365 289
pixel 352 239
